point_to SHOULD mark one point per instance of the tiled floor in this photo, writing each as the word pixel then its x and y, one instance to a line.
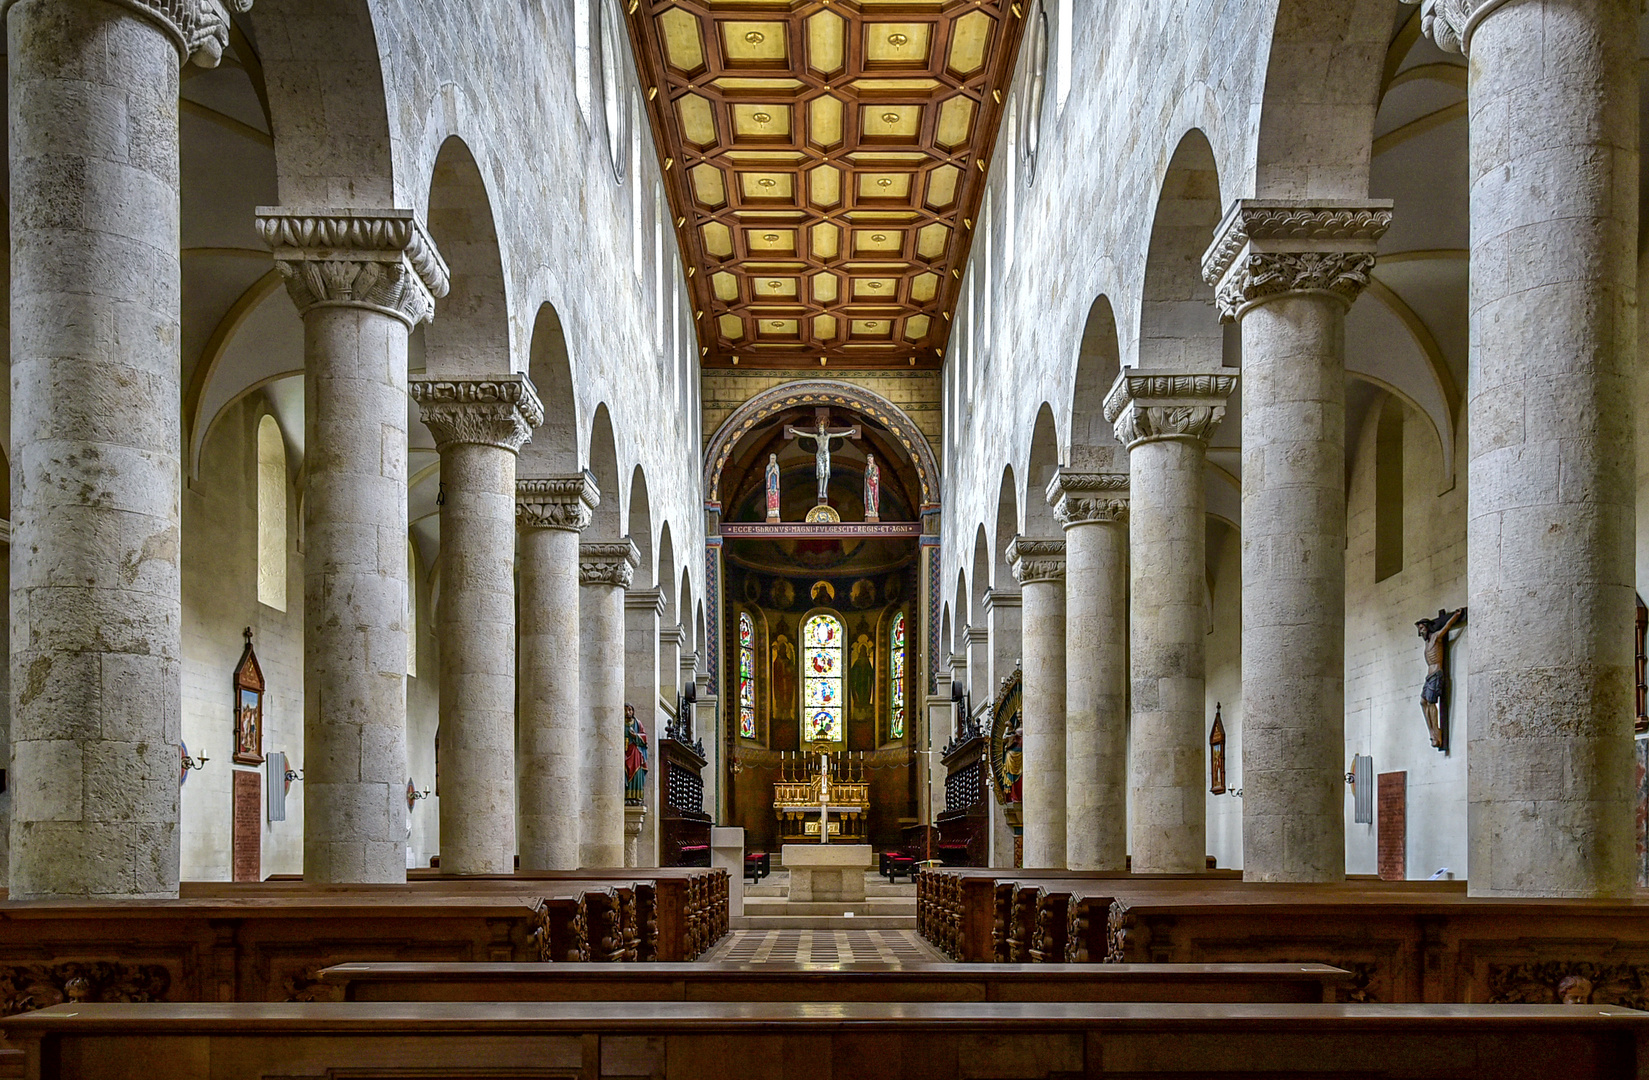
pixel 823 947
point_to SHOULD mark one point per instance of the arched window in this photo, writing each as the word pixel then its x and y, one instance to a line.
pixel 896 678
pixel 271 514
pixel 747 676
pixel 822 679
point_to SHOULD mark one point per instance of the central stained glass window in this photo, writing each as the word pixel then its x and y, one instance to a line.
pixel 822 679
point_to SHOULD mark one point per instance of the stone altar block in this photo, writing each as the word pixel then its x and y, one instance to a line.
pixel 827 872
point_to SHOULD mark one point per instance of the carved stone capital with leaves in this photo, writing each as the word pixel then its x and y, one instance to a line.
pixel 556 502
pixel 607 562
pixel 1266 248
pixel 1152 405
pixel 1088 498
pixel 381 260
pixel 199 28
pixel 1449 23
pixel 498 411
pixel 1037 559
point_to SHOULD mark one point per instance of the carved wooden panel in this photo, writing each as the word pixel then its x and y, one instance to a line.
pixel 825 163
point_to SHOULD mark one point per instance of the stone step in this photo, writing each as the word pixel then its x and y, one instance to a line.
pixel 829 907
pixel 823 922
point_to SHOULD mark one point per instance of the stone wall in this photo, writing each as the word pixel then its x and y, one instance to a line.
pixel 1384 661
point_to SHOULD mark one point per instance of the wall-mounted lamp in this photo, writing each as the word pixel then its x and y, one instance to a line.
pixel 413 794
pixel 186 762
pixel 291 775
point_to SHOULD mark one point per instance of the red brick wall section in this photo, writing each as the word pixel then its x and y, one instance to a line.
pixel 1392 814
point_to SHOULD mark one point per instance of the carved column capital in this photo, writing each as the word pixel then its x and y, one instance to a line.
pixel 556 502
pixel 1037 559
pixel 497 411
pixel 1149 405
pixel 1449 23
pixel 607 562
pixel 199 28
pixel 1265 248
pixel 1088 498
pixel 382 260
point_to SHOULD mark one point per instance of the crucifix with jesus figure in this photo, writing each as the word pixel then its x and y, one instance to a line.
pixel 823 435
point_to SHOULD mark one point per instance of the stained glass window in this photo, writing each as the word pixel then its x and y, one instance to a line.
pixel 747 676
pixel 822 679
pixel 896 678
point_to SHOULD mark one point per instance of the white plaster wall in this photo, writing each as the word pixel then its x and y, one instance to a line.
pixel 1224 812
pixel 1384 661
pixel 220 599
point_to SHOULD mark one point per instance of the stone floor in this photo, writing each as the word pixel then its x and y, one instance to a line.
pixel 823 947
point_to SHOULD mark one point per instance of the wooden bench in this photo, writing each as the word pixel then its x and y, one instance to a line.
pixel 839 1041
pixel 1416 941
pixel 757 865
pixel 894 865
pixel 844 982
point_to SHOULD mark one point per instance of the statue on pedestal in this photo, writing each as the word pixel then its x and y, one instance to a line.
pixel 635 759
pixel 772 487
pixel 873 489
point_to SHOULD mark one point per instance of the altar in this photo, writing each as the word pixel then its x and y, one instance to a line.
pixel 826 872
pixel 814 806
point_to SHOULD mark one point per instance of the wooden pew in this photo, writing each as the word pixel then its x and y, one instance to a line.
pixel 843 982
pixel 1414 941
pixel 830 1041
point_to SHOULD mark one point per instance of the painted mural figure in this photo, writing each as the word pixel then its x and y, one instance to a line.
pixel 772 487
pixel 861 678
pixel 783 676
pixel 873 489
pixel 635 758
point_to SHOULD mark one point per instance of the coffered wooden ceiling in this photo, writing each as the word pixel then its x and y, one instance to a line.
pixel 825 161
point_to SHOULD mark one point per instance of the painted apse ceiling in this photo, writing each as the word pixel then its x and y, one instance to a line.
pixel 825 161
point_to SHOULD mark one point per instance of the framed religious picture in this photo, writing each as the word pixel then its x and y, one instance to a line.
pixel 248 690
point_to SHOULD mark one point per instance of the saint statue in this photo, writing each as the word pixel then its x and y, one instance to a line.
pixel 1013 764
pixel 772 487
pixel 1435 633
pixel 822 438
pixel 873 489
pixel 635 759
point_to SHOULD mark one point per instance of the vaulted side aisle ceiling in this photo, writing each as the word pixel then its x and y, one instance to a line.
pixel 825 162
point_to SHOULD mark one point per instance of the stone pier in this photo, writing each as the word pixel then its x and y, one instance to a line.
pixel 479 425
pixel 1165 418
pixel 1286 272
pixel 605 570
pixel 1039 567
pixel 1093 507
pixel 361 279
pixel 550 513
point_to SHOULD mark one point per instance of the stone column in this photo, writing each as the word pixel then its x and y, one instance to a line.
pixel 550 513
pixel 1287 272
pixel 1003 616
pixel 1039 567
pixel 1165 418
pixel 669 662
pixel 1553 107
pixel 642 609
pixel 605 569
pixel 95 587
pixel 976 642
pixel 1093 507
pixel 361 279
pixel 479 427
